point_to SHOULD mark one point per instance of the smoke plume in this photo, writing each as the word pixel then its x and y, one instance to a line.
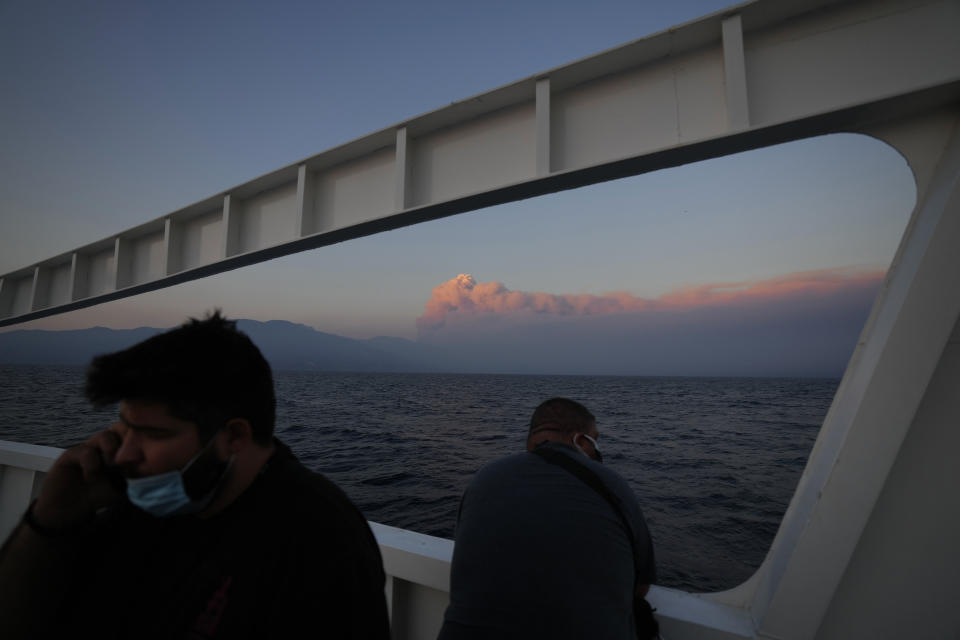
pixel 463 295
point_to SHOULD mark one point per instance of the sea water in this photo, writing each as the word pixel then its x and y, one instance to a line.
pixel 713 461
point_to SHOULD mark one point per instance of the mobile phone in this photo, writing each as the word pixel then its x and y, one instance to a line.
pixel 116 478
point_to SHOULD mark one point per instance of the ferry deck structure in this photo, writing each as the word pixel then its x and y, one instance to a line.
pixel 868 545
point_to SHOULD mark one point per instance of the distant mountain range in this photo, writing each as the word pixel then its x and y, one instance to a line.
pixel 286 345
pixel 787 338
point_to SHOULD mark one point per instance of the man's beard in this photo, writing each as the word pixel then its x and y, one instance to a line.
pixel 205 474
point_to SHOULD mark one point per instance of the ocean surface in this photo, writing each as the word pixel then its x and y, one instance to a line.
pixel 714 461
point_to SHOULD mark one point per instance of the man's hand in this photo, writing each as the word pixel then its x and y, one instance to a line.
pixel 36 569
pixel 79 483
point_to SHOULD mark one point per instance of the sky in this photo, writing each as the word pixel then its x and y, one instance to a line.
pixel 115 113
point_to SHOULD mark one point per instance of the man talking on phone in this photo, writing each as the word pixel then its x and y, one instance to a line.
pixel 186 518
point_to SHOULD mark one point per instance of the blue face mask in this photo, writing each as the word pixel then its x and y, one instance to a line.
pixel 164 494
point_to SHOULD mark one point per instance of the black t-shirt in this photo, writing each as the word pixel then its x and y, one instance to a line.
pixel 290 556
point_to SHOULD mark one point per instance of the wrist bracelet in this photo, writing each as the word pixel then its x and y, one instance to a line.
pixel 46 532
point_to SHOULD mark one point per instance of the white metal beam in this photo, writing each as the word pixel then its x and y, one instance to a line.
pixel 401 174
pixel 735 74
pixel 673 98
pixel 873 409
pixel 543 127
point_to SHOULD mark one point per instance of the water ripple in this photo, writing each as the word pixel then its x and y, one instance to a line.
pixel 714 461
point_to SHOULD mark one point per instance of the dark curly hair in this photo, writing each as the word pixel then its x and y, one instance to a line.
pixel 205 371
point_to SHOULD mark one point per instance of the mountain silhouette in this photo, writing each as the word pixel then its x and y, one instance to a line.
pixel 286 345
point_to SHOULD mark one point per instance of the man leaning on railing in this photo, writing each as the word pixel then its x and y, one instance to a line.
pixel 550 543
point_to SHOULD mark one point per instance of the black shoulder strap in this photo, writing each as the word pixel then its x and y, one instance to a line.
pixel 646 624
pixel 593 481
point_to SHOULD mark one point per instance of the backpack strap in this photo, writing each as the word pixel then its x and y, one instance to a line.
pixel 592 480
pixel 646 624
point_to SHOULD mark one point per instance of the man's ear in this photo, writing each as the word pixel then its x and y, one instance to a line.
pixel 238 434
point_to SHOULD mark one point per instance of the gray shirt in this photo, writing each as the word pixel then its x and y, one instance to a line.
pixel 540 554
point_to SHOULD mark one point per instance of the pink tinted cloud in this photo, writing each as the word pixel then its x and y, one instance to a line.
pixel 463 295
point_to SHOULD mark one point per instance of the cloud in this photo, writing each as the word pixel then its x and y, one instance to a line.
pixel 463 295
pixel 798 324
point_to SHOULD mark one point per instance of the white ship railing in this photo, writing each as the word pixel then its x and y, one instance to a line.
pixel 417 565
